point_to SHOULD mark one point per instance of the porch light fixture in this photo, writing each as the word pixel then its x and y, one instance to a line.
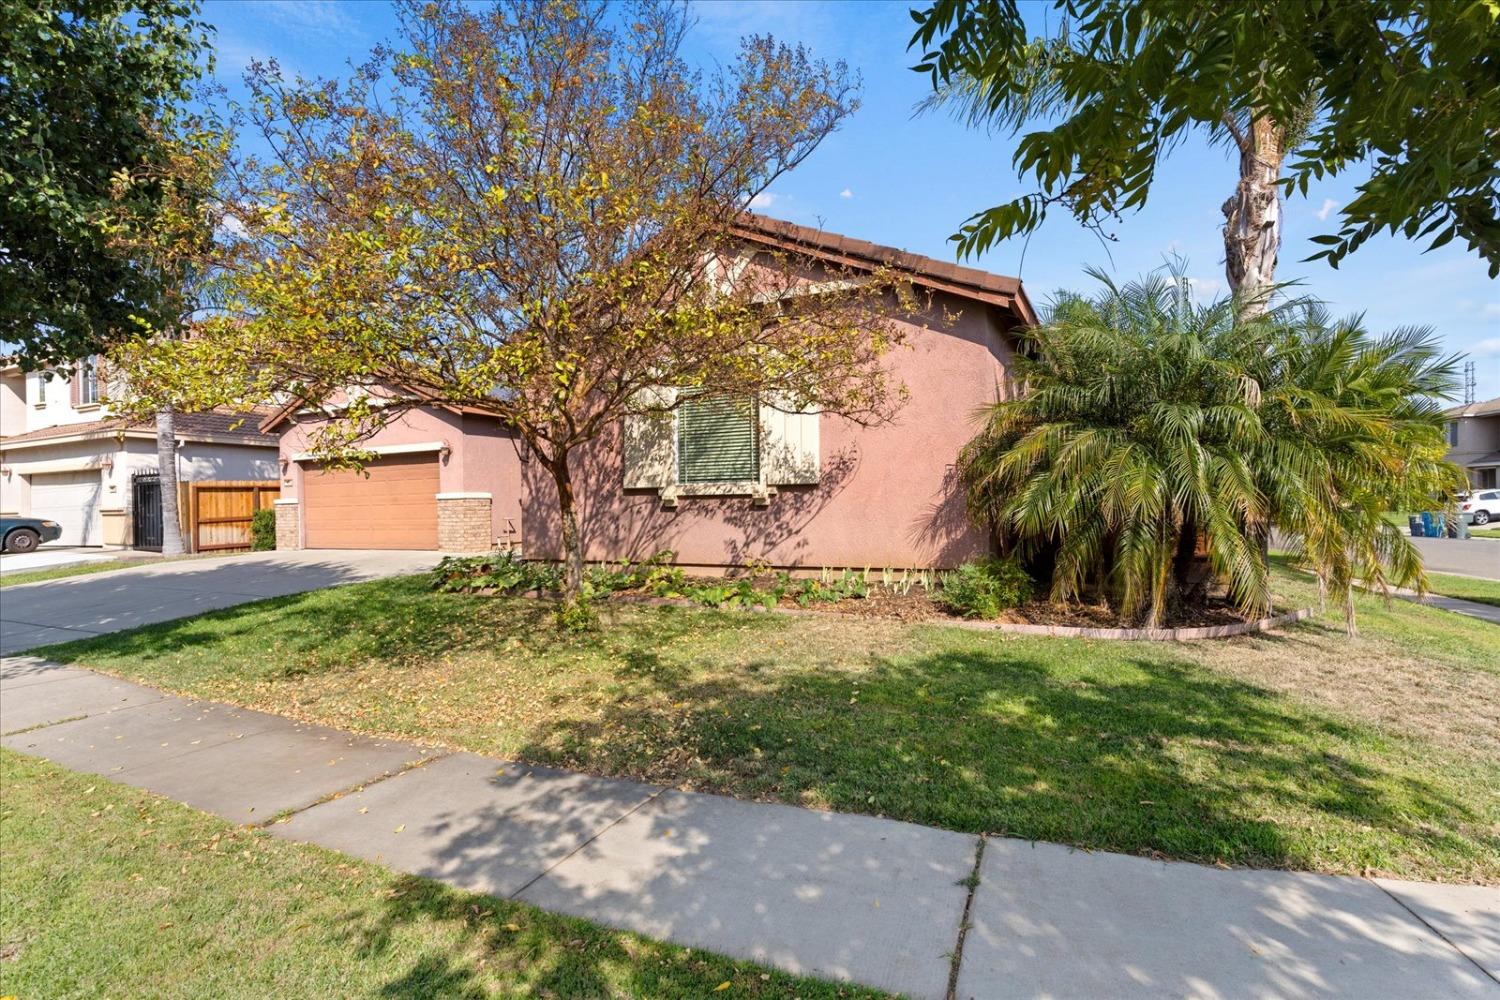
pixel 107 463
pixel 445 450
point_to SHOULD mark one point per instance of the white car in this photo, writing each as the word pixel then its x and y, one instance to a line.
pixel 1480 507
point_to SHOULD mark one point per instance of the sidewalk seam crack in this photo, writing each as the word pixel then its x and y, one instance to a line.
pixel 359 786
pixel 582 844
pixel 1445 938
pixel 963 921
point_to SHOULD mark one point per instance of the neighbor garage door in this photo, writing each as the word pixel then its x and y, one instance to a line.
pixel 391 505
pixel 72 500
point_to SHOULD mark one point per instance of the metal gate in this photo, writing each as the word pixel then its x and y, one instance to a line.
pixel 145 511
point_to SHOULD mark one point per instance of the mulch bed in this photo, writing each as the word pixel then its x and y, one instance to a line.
pixel 917 606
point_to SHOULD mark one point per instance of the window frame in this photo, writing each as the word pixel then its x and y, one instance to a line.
pixel 757 467
pixel 88 382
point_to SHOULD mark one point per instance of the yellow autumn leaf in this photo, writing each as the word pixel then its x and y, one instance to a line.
pixel 722 986
pixel 512 927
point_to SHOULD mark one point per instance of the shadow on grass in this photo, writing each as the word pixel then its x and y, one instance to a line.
pixel 1141 754
pixel 1096 745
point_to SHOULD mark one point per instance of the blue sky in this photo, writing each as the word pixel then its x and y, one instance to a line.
pixel 910 182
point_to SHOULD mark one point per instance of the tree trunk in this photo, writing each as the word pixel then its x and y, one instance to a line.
pixel 1252 228
pixel 166 464
pixel 572 541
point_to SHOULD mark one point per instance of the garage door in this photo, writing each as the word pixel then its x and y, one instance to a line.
pixel 72 500
pixel 391 505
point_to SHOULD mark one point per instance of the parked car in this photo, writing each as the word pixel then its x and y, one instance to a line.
pixel 24 534
pixel 1480 507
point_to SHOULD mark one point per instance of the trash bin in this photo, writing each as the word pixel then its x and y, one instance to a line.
pixel 1429 525
pixel 1439 526
pixel 1459 527
pixel 1414 522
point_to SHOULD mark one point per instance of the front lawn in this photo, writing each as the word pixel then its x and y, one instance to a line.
pixel 110 891
pixel 1298 750
pixel 71 569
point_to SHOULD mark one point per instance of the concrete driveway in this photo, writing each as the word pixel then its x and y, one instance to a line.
pixel 37 614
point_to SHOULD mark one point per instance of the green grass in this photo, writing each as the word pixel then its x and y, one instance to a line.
pixel 1466 587
pixel 1302 750
pixel 1485 532
pixel 59 572
pixel 110 891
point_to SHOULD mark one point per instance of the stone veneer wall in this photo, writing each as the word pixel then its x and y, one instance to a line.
pixel 464 522
pixel 288 525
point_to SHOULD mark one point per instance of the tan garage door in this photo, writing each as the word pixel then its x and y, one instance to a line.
pixel 392 505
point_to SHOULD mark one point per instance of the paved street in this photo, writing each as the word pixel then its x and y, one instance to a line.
pixel 38 614
pixel 846 897
pixel 1470 557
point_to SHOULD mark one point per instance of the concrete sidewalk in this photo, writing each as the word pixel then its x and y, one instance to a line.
pixel 38 614
pixel 845 897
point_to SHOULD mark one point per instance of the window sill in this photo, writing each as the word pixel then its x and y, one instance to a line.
pixel 87 407
pixel 760 493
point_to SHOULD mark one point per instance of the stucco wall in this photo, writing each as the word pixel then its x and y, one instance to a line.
pixel 12 403
pixel 493 463
pixel 15 491
pixel 888 494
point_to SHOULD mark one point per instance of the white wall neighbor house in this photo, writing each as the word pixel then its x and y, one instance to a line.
pixel 1474 441
pixel 65 458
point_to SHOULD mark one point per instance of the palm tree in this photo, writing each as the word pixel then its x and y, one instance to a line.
pixel 1151 429
pixel 1357 421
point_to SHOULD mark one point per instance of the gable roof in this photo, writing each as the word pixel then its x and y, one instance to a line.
pixel 1483 408
pixel 218 425
pixel 939 275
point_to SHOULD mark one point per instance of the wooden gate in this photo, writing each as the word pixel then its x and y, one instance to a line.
pixel 219 513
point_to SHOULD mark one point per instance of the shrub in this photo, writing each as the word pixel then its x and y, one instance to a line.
pixel 502 572
pixel 263 530
pixel 985 588
pixel 831 590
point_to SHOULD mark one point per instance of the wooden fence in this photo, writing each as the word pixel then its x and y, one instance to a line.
pixel 218 513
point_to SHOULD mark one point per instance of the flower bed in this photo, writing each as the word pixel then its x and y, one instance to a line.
pixel 899 595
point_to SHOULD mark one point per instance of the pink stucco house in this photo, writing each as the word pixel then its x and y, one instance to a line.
pixel 720 488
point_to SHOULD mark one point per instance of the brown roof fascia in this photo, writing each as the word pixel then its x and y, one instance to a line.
pixel 964 282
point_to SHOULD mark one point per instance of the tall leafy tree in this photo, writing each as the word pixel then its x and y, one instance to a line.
pixel 1152 427
pixel 84 88
pixel 1299 90
pixel 530 210
pixel 188 249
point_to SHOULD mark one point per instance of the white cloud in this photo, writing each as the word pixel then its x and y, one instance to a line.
pixel 763 200
pixel 1487 348
pixel 1206 289
pixel 846 193
pixel 234 227
pixel 1328 206
pixel 329 18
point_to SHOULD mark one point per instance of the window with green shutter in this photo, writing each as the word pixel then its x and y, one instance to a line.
pixel 716 441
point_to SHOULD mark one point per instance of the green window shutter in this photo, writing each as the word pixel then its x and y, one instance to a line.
pixel 716 441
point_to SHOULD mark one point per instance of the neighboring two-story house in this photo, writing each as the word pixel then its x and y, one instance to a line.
pixel 65 458
pixel 1474 441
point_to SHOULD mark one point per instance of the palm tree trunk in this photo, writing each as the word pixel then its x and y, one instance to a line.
pixel 1252 227
pixel 166 464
